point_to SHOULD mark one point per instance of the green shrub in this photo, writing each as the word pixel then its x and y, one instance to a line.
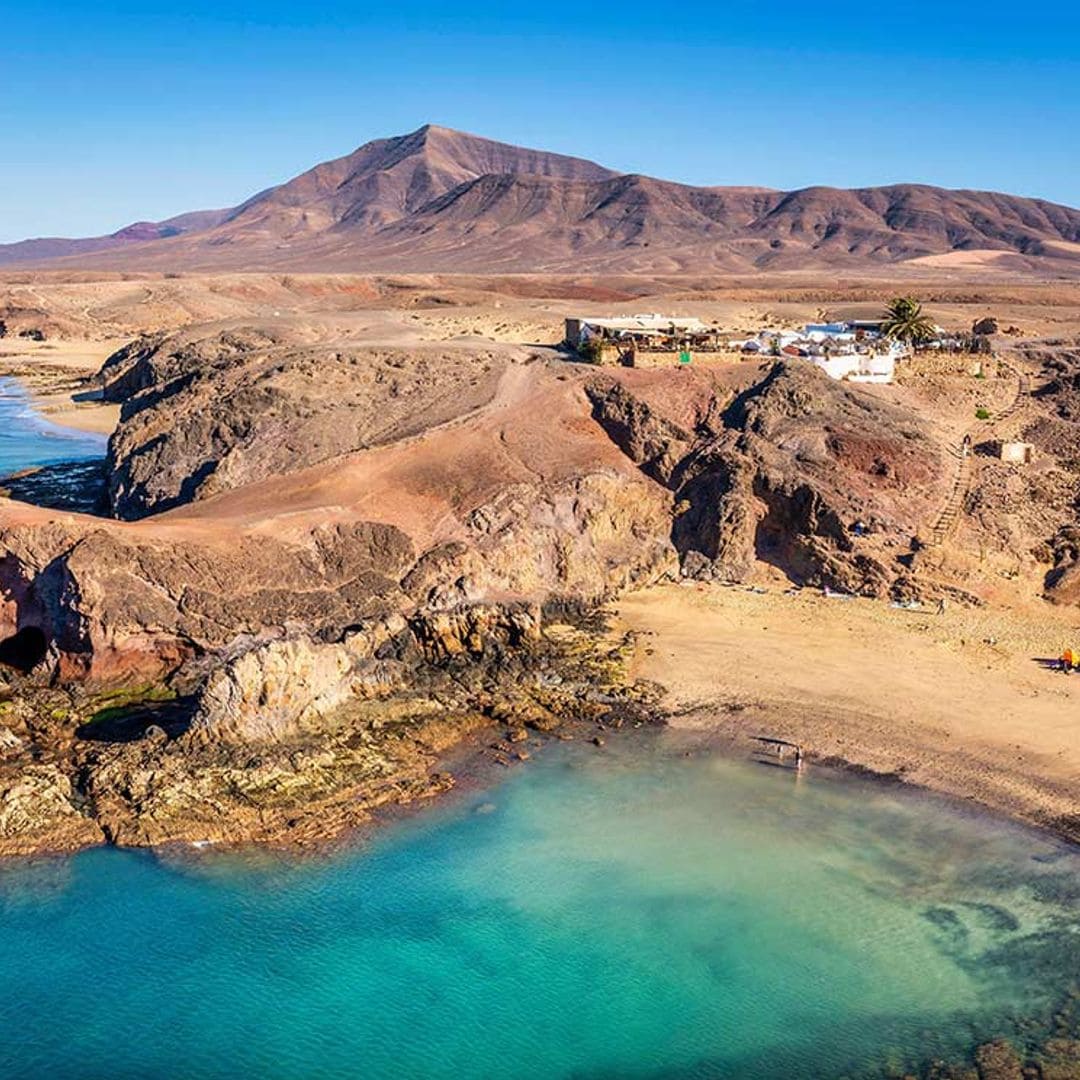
pixel 589 351
pixel 982 413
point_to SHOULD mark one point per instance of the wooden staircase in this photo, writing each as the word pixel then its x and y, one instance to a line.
pixel 1023 395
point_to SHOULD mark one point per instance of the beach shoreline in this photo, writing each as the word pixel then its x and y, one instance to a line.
pixel 723 711
pixel 962 705
pixel 56 377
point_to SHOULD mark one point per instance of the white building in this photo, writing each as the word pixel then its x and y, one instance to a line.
pixel 585 328
pixel 859 367
pixel 853 351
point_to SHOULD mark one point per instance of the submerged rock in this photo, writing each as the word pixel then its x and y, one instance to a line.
pixel 998 1061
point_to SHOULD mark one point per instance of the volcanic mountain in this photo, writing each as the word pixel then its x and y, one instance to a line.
pixel 442 200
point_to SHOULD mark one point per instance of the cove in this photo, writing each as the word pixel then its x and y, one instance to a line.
pixel 28 439
pixel 631 912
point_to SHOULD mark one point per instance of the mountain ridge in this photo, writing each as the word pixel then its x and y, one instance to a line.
pixel 439 199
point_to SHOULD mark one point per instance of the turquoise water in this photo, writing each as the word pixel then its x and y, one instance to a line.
pixel 625 913
pixel 28 439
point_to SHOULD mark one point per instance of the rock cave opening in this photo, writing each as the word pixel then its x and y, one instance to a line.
pixel 24 649
pixel 777 537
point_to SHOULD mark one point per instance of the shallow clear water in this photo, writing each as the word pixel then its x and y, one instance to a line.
pixel 28 439
pixel 630 912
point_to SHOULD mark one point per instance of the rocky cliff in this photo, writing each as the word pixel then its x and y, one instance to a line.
pixel 818 479
pixel 339 560
pixel 205 414
pixel 1053 429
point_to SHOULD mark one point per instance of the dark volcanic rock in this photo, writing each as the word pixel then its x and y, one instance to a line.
pixel 73 485
pixel 782 474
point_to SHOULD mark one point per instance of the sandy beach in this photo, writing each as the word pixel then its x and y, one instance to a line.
pixel 55 374
pixel 958 702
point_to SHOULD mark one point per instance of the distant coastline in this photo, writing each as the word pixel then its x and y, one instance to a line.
pixel 55 377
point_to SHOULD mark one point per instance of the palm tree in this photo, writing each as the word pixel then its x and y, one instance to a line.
pixel 904 321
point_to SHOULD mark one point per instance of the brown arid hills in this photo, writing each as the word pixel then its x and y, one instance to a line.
pixel 442 200
pixel 348 525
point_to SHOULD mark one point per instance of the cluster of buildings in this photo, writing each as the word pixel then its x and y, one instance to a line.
pixel 855 350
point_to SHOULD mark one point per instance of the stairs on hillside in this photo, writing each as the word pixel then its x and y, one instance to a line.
pixel 949 515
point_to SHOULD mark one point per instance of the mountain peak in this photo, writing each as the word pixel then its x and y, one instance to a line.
pixel 440 129
pixel 441 199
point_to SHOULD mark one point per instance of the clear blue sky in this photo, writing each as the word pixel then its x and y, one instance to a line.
pixel 112 112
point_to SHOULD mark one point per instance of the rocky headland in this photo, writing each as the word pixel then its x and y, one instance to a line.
pixel 321 562
pixel 323 558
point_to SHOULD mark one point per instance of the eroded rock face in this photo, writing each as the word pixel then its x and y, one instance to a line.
pixel 114 607
pixel 1046 497
pixel 414 523
pixel 800 471
pixel 589 538
pixel 40 807
pixel 782 473
pixel 275 688
pixel 1063 581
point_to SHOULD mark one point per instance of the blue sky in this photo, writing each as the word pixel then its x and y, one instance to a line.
pixel 112 112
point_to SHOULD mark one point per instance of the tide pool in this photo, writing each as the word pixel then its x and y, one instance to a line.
pixel 626 913
pixel 28 439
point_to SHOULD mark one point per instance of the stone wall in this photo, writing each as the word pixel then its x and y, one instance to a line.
pixel 949 363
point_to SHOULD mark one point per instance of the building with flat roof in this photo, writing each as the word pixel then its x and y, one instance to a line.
pixel 630 339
